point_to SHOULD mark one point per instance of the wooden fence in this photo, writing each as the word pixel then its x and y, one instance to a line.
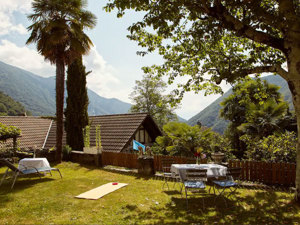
pixel 263 172
pixel 267 173
pixel 129 160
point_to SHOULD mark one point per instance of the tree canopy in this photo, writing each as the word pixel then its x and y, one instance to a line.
pixel 148 97
pixel 208 41
pixel 255 107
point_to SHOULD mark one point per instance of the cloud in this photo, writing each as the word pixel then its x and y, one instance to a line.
pixel 103 79
pixel 25 58
pixel 7 21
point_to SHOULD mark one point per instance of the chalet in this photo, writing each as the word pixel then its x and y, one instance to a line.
pixel 117 131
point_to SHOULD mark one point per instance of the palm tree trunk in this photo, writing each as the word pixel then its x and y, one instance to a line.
pixel 60 88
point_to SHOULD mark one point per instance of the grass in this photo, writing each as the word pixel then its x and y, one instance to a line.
pixel 51 201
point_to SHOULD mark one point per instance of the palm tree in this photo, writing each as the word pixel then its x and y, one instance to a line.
pixel 57 30
pixel 265 119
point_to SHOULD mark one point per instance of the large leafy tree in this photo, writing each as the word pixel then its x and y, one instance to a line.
pixel 249 96
pixel 148 96
pixel 184 140
pixel 58 31
pixel 77 104
pixel 213 40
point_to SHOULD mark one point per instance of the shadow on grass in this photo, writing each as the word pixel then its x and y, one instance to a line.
pixel 21 184
pixel 262 207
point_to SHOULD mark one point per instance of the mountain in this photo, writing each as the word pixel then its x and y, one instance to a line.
pixel 37 94
pixel 9 107
pixel 210 115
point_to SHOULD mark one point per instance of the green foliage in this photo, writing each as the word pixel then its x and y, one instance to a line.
pixel 9 107
pixel 66 152
pixel 8 131
pixel 86 136
pixel 199 41
pixel 263 120
pixel 98 137
pixel 184 140
pixel 76 112
pixel 273 148
pixel 147 97
pixel 255 107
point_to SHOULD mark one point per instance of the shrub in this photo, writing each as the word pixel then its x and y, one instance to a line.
pixel 66 152
pixel 274 148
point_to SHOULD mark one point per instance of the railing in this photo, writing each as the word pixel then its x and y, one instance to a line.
pixel 267 173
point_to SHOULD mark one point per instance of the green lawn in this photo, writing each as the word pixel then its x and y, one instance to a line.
pixel 51 201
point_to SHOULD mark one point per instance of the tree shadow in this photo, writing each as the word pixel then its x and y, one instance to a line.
pixel 6 193
pixel 263 207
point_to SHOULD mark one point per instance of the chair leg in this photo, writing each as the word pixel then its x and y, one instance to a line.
pixel 186 197
pixel 3 178
pixel 59 173
pixel 14 179
pixel 220 194
pixel 165 182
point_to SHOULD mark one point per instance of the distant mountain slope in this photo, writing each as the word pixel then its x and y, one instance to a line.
pixel 9 107
pixel 37 94
pixel 210 115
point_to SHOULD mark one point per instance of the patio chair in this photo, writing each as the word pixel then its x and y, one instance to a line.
pixel 166 167
pixel 195 179
pixel 24 171
pixel 230 183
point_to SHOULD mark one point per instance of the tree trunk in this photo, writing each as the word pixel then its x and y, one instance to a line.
pixel 60 88
pixel 295 89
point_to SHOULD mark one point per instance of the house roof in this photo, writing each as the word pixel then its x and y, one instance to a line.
pixel 116 130
pixel 34 130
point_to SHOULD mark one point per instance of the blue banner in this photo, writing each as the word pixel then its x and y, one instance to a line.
pixel 136 145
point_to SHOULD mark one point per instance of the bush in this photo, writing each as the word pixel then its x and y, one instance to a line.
pixel 66 152
pixel 274 148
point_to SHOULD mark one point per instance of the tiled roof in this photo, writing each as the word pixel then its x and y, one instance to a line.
pixel 116 130
pixel 33 130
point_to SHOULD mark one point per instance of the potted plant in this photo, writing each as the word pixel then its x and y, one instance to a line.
pixel 145 161
pixel 217 157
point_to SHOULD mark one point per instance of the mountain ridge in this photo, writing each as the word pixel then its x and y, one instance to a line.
pixel 37 94
pixel 209 116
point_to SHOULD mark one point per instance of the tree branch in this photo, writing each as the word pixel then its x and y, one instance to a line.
pixel 259 69
pixel 220 13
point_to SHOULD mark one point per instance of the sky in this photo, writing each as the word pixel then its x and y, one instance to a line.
pixel 113 60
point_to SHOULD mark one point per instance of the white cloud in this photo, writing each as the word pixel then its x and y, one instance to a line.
pixel 7 22
pixel 103 79
pixel 25 58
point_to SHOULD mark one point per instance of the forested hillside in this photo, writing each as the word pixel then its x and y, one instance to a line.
pixel 9 107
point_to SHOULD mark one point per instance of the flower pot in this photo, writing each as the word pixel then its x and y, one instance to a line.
pixel 146 165
pixel 217 157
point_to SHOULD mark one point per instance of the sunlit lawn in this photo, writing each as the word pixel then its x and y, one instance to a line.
pixel 51 201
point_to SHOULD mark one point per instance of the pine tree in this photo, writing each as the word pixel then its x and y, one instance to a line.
pixel 77 104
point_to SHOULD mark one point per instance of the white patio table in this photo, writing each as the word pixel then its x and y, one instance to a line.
pixel 213 170
pixel 33 162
